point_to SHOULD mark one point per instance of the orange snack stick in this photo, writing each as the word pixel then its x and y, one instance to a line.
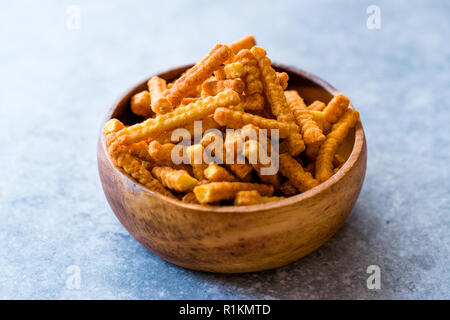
pixel 336 108
pixel 188 100
pixel 288 189
pixel 219 74
pixel 309 128
pixel 190 198
pixel 177 118
pixel 317 106
pixel 275 95
pixel 197 74
pixel 254 102
pixel 338 160
pixel 140 104
pixel 235 120
pixel 328 149
pixel 160 153
pixel 251 71
pixel 195 155
pixel 244 43
pixel 283 78
pixel 157 86
pixel 254 148
pixel 319 119
pixel 140 150
pixel 136 169
pixel 251 197
pixel 218 191
pixel 177 180
pixel 293 170
pixel 234 70
pixel 207 123
pixel 242 171
pixel 213 87
pixel 215 173
pixel 112 125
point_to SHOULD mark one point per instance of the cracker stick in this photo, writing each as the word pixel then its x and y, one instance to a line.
pixel 219 74
pixel 251 197
pixel 178 180
pixel 338 160
pixel 207 123
pixel 320 120
pixel 195 155
pixel 252 75
pixel 140 104
pixel 215 173
pixel 218 191
pixel 288 189
pixel 188 100
pixel 336 108
pixel 309 128
pixel 235 120
pixel 317 106
pixel 112 125
pixel 197 74
pixel 157 86
pixel 245 43
pixel 253 148
pixel 293 170
pixel 160 153
pixel 213 87
pixel 177 118
pixel 275 95
pixel 234 70
pixel 140 150
pixel 242 171
pixel 136 169
pixel 324 162
pixel 283 78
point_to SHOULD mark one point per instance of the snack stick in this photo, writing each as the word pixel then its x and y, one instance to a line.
pixel 160 153
pixel 140 104
pixel 251 197
pixel 195 155
pixel 218 191
pixel 188 100
pixel 112 125
pixel 312 150
pixel 234 70
pixel 190 198
pixel 253 148
pixel 213 87
pixel 245 43
pixel 235 120
pixel 275 94
pixel 197 74
pixel 324 161
pixel 239 107
pixel 178 180
pixel 177 118
pixel 140 150
pixel 288 189
pixel 293 170
pixel 319 119
pixel 338 160
pixel 336 108
pixel 215 173
pixel 135 168
pixel 207 123
pixel 157 86
pixel 251 71
pixel 219 74
pixel 317 106
pixel 283 78
pixel 210 137
pixel 254 102
pixel 310 130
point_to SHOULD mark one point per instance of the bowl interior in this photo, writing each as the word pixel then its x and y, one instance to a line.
pixel 309 86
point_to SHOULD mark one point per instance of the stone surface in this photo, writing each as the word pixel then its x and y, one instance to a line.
pixel 57 83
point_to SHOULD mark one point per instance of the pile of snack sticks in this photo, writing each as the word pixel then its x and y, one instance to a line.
pixel 233 87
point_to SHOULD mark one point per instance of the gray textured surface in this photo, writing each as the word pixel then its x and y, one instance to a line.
pixel 56 84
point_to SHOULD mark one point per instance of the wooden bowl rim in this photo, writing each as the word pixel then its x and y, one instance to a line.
pixel 348 165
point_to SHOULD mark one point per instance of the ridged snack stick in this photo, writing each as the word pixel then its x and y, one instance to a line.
pixel 254 102
pixel 140 104
pixel 195 156
pixel 288 189
pixel 213 87
pixel 317 106
pixel 218 191
pixel 215 173
pixel 251 197
pixel 177 118
pixel 275 95
pixel 199 73
pixel 244 43
pixel 177 180
pixel 336 108
pixel 298 177
pixel 283 78
pixel 112 125
pixel 254 148
pixel 157 86
pixel 310 130
pixel 235 120
pixel 328 149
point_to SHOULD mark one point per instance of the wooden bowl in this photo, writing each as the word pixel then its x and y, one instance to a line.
pixel 232 239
